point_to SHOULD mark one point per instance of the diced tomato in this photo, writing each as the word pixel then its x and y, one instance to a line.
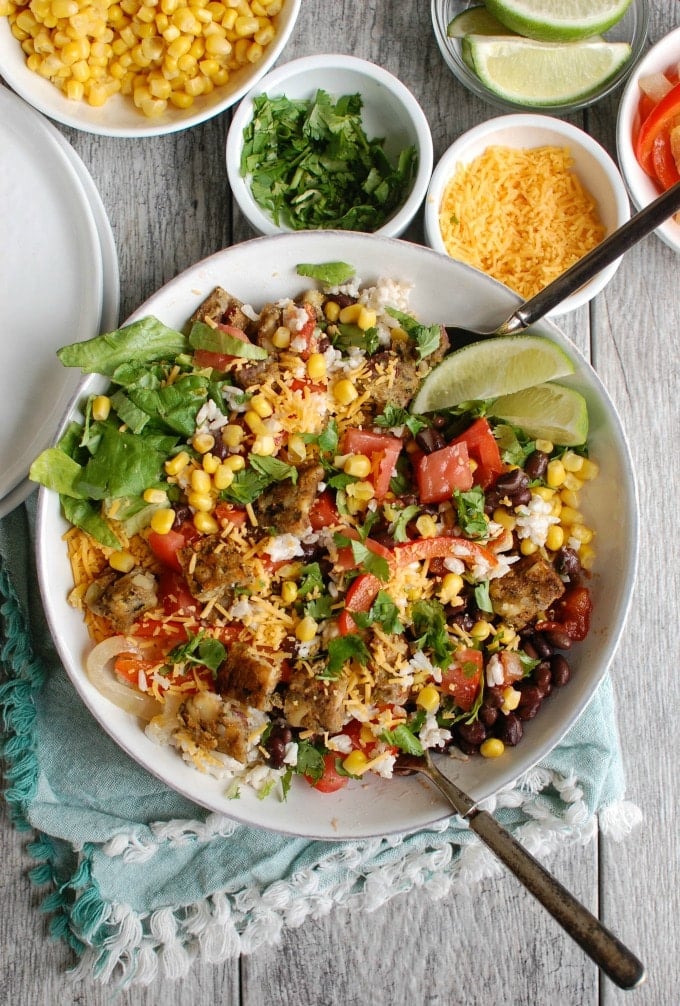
pixel 129 666
pixel 483 448
pixel 359 597
pixel 225 513
pixel 662 118
pixel 572 614
pixel 443 546
pixel 324 511
pixel 331 780
pixel 300 383
pixel 174 595
pixel 462 679
pixel 382 448
pixel 438 474
pixel 166 546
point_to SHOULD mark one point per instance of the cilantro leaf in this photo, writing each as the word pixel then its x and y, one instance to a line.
pixel 429 625
pixel 470 511
pixel 309 760
pixel 426 337
pixel 403 738
pixel 252 481
pixel 319 607
pixel 395 416
pixel 351 335
pixel 383 611
pixel 397 527
pixel 482 599
pixel 199 649
pixel 327 440
pixel 273 468
pixel 311 579
pixel 342 649
pixel 364 557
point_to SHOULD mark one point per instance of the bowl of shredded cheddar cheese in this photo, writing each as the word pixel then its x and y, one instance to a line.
pixel 142 71
pixel 523 197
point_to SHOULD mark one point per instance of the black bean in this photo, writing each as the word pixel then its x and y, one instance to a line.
pixel 561 671
pixel 471 733
pixel 182 514
pixel 530 649
pixel 491 500
pixel 430 440
pixel 528 711
pixel 558 638
pixel 463 619
pixel 542 646
pixel 567 563
pixel 536 465
pixel 220 449
pixel 511 482
pixel 543 677
pixel 280 736
pixel 439 422
pixel 493 697
pixel 488 715
pixel 510 729
pixel 522 497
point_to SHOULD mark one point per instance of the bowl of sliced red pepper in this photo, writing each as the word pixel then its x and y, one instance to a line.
pixel 648 129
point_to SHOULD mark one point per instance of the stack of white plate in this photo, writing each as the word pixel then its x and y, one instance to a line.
pixel 59 283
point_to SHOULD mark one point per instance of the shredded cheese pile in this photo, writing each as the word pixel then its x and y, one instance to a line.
pixel 521 216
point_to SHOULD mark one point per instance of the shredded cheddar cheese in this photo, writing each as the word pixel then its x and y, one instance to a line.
pixel 521 216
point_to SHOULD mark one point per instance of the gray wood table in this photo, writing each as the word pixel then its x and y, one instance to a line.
pixel 169 205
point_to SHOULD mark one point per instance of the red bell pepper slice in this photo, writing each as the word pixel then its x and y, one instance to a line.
pixel 660 120
pixel 443 547
pixel 438 474
pixel 483 448
pixel 663 161
pixel 360 596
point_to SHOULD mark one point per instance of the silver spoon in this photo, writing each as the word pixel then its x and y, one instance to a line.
pixel 639 226
pixel 605 949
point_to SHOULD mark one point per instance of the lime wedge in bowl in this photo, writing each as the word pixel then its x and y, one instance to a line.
pixel 542 73
pixel 489 369
pixel 476 21
pixel 549 411
pixel 558 20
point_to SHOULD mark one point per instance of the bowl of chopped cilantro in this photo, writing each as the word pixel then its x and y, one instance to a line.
pixel 329 142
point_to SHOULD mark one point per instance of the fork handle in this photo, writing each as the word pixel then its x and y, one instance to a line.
pixel 603 254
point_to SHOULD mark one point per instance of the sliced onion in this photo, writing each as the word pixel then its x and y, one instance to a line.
pixel 655 85
pixel 100 672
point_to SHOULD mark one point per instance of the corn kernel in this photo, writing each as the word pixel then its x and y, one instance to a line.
pixel 349 315
pixel 511 697
pixel 245 26
pixel 366 319
pixel 157 496
pixel 281 337
pixel 200 501
pixel 232 435
pixel 586 555
pixel 254 423
pixel 544 492
pixel 344 392
pixel 305 630
pixel 162 520
pixel 331 310
pixel 572 462
pixel 223 477
pixel 289 591
pixel 101 407
pixel 554 539
pixel 235 462
pixel 427 526
pixel 492 747
pixel 361 491
pixel 428 699
pixel 297 448
pixel 316 366
pixel 261 405
pixel 74 90
pixel 122 561
pixel 355 763
pixel 544 446
pixel 570 498
pixel 200 481
pixel 181 100
pixel 581 533
pixel 528 547
pixel 481 630
pixel 555 474
pixel 451 586
pixel 358 465
pixel 264 446
pixel 205 523
pixel 173 466
pixel 570 516
pixel 210 463
pixel 504 518
pixel 589 470
pixel 572 482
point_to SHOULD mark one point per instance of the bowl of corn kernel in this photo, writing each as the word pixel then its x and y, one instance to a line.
pixel 139 67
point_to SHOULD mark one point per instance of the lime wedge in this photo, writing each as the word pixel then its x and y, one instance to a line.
pixel 542 73
pixel 558 20
pixel 549 411
pixel 491 368
pixel 475 21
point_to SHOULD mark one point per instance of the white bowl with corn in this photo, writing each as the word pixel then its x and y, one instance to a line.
pixel 139 69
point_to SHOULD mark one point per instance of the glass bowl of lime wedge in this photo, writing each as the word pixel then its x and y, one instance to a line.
pixel 541 55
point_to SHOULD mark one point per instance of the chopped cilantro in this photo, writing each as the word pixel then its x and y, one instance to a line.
pixel 363 556
pixel 394 416
pixel 426 337
pixel 482 599
pixel 403 738
pixel 404 517
pixel 429 625
pixel 383 611
pixel 341 650
pixel 470 510
pixel 352 335
pixel 309 760
pixel 199 649
pixel 311 579
pixel 252 481
pixel 327 440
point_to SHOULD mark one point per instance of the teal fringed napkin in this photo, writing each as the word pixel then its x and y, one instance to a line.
pixel 141 882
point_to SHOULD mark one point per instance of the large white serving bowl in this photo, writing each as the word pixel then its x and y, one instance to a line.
pixel 389 111
pixel 118 116
pixel 641 187
pixel 443 291
pixel 592 165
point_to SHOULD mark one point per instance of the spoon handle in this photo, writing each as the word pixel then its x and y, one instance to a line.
pixel 605 949
pixel 603 254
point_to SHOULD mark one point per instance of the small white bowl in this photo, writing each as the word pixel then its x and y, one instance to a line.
pixel 389 110
pixel 593 165
pixel 118 116
pixel 641 187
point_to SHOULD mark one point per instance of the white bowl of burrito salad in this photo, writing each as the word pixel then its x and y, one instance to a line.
pixel 293 578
